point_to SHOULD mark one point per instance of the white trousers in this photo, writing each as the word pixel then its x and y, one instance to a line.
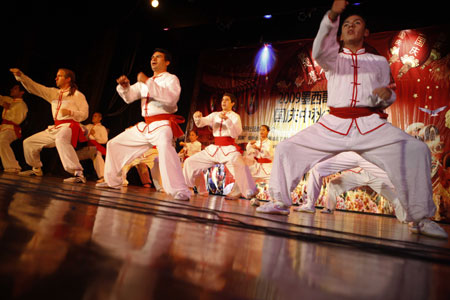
pixel 195 165
pixel 7 156
pixel 406 160
pixel 49 138
pixel 93 154
pixel 381 184
pixel 132 143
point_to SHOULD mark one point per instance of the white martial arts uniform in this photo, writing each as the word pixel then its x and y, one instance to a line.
pixel 214 154
pixel 362 173
pixel 55 135
pixel 159 95
pixel 100 135
pixel 260 167
pixel 190 149
pixel 14 115
pixel 351 79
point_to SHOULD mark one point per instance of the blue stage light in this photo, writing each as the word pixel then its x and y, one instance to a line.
pixel 265 59
pixel 268 16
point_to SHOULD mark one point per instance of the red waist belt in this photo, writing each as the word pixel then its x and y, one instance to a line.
pixel 17 129
pixel 263 160
pixel 77 132
pixel 174 120
pixel 356 112
pixel 226 141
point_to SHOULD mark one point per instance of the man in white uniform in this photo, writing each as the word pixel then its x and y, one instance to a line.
pixel 357 92
pixel 260 155
pixel 361 173
pixel 69 108
pixel 14 112
pixel 97 135
pixel 159 95
pixel 226 126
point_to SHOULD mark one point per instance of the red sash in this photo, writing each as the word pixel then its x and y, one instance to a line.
pixel 98 146
pixel 226 141
pixel 263 160
pixel 17 129
pixel 77 132
pixel 174 120
pixel 356 112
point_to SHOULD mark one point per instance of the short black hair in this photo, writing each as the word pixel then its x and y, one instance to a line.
pixel 232 97
pixel 267 127
pixel 167 55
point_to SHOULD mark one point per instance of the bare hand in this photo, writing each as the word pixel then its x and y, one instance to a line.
pixel 182 144
pixel 92 131
pixel 384 93
pixel 141 77
pixel 198 114
pixel 337 8
pixel 16 72
pixel 252 142
pixel 65 112
pixel 123 81
pixel 6 105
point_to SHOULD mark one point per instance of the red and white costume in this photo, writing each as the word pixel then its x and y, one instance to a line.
pixel 260 161
pixel 361 173
pixel 10 130
pixel 159 97
pixel 223 151
pixel 190 148
pixel 66 131
pixel 100 135
pixel 351 79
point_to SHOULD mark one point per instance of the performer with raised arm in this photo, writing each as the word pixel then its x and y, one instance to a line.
pixel 14 112
pixel 260 154
pixel 226 126
pixel 357 94
pixel 97 136
pixel 69 108
pixel 191 147
pixel 159 95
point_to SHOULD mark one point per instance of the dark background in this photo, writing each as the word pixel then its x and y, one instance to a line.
pixel 101 40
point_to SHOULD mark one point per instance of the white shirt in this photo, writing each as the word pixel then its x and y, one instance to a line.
pixel 16 113
pixel 58 99
pixel 192 148
pixel 159 95
pixel 260 170
pixel 100 133
pixel 231 127
pixel 352 77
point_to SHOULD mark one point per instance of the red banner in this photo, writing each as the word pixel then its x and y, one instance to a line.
pixel 293 96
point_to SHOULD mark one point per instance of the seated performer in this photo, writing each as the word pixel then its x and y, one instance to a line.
pixel 361 173
pixel 148 160
pixel 69 108
pixel 14 112
pixel 357 93
pixel 260 154
pixel 97 135
pixel 159 96
pixel 226 126
pixel 191 147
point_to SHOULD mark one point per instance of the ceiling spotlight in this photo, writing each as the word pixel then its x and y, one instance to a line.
pixel 155 3
pixel 166 28
pixel 265 59
pixel 268 16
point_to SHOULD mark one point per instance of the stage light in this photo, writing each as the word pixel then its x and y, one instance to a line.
pixel 155 3
pixel 166 28
pixel 268 16
pixel 265 59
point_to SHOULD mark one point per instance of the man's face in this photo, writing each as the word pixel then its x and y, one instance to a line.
pixel 354 30
pixel 61 80
pixel 96 118
pixel 227 105
pixel 263 132
pixel 192 136
pixel 15 92
pixel 158 62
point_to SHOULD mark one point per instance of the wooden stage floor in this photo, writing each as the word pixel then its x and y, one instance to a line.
pixel 75 241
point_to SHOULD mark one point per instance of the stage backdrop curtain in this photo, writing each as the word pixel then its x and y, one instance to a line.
pixel 294 95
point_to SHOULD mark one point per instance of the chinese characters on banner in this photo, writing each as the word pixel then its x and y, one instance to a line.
pixel 294 95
